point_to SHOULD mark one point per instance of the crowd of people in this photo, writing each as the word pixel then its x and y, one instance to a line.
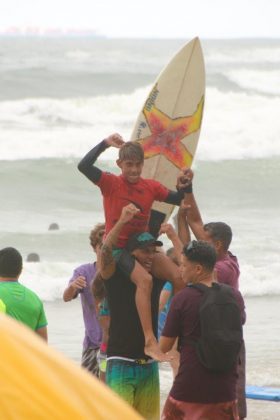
pixel 142 306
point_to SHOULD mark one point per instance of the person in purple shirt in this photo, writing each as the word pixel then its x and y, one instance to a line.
pixel 80 284
pixel 219 234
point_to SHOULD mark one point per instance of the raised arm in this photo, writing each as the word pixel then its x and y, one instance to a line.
pixel 194 218
pixel 169 230
pixel 184 184
pixel 107 262
pixel 183 227
pixel 86 164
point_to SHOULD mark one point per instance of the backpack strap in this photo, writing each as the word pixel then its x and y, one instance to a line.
pixel 203 288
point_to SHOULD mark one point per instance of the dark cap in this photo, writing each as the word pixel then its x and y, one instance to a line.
pixel 141 240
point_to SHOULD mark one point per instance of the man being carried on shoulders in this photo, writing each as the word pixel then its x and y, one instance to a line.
pixel 119 191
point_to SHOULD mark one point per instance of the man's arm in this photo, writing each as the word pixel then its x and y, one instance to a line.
pixel 194 218
pixel 184 184
pixel 169 230
pixel 163 266
pixel 183 227
pixel 43 333
pixel 107 262
pixel 174 197
pixel 163 299
pixel 172 327
pixel 86 164
pixel 98 290
pixel 166 343
pixel 72 291
pixel 184 180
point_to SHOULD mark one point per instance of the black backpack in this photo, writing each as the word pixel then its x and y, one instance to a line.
pixel 221 328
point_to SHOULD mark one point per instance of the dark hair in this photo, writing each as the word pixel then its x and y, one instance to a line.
pixel 220 231
pixel 202 253
pixel 96 234
pixel 10 262
pixel 131 150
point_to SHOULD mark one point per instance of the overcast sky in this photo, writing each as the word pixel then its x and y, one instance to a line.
pixel 149 18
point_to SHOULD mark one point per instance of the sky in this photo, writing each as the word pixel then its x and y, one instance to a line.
pixel 147 18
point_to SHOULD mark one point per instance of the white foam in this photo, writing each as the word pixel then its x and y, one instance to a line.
pixel 258 280
pixel 235 126
pixel 47 279
pixel 245 55
pixel 257 80
pixel 238 125
pixel 44 128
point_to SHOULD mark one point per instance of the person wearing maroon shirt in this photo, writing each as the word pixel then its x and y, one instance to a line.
pixel 131 188
pixel 227 271
pixel 196 392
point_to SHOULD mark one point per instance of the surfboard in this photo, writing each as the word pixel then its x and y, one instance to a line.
pixel 169 123
pixel 262 393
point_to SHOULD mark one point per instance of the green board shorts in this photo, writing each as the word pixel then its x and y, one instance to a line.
pixel 137 384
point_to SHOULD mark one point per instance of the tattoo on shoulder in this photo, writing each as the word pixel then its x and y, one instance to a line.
pixel 106 256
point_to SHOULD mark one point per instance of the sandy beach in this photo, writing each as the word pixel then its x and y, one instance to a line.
pixel 263 355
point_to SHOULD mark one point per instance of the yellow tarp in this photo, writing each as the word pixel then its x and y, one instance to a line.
pixel 37 382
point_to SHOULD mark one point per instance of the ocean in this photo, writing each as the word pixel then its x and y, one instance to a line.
pixel 60 96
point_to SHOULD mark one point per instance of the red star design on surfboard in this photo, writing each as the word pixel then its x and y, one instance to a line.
pixel 167 133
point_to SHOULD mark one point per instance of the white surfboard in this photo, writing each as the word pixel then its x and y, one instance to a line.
pixel 169 123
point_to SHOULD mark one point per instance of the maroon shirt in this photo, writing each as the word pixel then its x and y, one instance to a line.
pixel 227 270
pixel 194 383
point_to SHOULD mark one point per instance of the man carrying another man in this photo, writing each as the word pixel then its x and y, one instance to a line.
pixel 130 373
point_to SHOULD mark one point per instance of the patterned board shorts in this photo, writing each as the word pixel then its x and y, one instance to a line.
pixel 102 362
pixel 138 384
pixel 89 360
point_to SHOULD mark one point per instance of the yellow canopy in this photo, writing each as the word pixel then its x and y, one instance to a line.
pixel 37 382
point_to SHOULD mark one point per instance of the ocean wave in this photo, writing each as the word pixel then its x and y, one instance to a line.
pixel 259 281
pixel 246 54
pixel 239 126
pixel 258 81
pixel 236 125
pixel 49 279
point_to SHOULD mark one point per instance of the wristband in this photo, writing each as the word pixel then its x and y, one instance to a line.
pixel 103 347
pixel 187 189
